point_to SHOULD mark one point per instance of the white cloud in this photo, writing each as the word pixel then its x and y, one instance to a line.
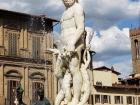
pixel 4 5
pixel 112 47
pixel 124 67
pixel 104 13
pixel 51 8
pixel 112 40
pixel 98 64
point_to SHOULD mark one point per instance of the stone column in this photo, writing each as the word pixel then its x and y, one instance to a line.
pixel 52 81
pixel 48 40
pixel 1 38
pixel 51 39
pixel 46 82
pixel 26 82
pixel 21 39
pixel 1 33
pixel 26 86
pixel 50 86
pixel 21 43
pixel 49 81
pixel 2 99
pixel 25 39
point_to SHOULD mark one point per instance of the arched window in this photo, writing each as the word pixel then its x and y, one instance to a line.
pixel 136 48
pixel 37 82
pixel 14 74
pixel 13 80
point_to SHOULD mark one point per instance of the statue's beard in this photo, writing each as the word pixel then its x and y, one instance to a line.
pixel 68 4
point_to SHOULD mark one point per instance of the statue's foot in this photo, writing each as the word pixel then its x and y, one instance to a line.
pixel 80 103
pixel 65 102
pixel 83 103
pixel 73 102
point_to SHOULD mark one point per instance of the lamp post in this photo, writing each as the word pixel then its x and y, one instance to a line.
pixel 92 53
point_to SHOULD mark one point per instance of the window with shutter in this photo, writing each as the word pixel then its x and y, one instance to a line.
pixel 36 47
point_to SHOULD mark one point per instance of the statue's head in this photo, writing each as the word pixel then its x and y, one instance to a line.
pixel 41 93
pixel 69 3
pixel 19 91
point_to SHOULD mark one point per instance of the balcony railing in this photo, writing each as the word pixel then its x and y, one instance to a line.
pixel 27 60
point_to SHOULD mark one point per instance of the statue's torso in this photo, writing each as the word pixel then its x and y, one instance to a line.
pixel 68 25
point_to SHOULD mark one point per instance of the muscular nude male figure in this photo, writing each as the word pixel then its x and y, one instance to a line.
pixel 72 30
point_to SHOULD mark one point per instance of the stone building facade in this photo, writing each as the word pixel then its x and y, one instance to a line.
pixel 24 58
pixel 135 48
pixel 108 89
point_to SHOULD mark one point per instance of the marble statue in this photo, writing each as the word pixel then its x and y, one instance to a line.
pixel 72 31
pixel 61 71
pixel 85 91
pixel 70 71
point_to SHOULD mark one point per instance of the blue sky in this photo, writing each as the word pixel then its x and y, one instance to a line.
pixel 110 20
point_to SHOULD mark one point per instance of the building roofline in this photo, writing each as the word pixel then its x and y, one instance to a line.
pixel 104 67
pixel 118 87
pixel 27 15
pixel 134 31
pixel 134 78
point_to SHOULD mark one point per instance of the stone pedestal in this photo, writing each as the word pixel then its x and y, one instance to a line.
pixel 26 99
pixel 2 100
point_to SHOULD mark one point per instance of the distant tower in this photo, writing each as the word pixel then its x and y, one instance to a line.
pixel 135 47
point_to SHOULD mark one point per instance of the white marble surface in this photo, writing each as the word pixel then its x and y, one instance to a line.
pixel 70 72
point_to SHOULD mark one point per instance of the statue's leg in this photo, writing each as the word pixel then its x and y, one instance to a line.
pixel 66 86
pixel 77 85
pixel 86 87
pixel 59 97
pixel 77 79
pixel 67 96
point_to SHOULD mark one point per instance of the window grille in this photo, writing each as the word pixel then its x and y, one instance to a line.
pixel 11 91
pixel 97 98
pixel 129 99
pixel 117 99
pixel 12 44
pixel 35 87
